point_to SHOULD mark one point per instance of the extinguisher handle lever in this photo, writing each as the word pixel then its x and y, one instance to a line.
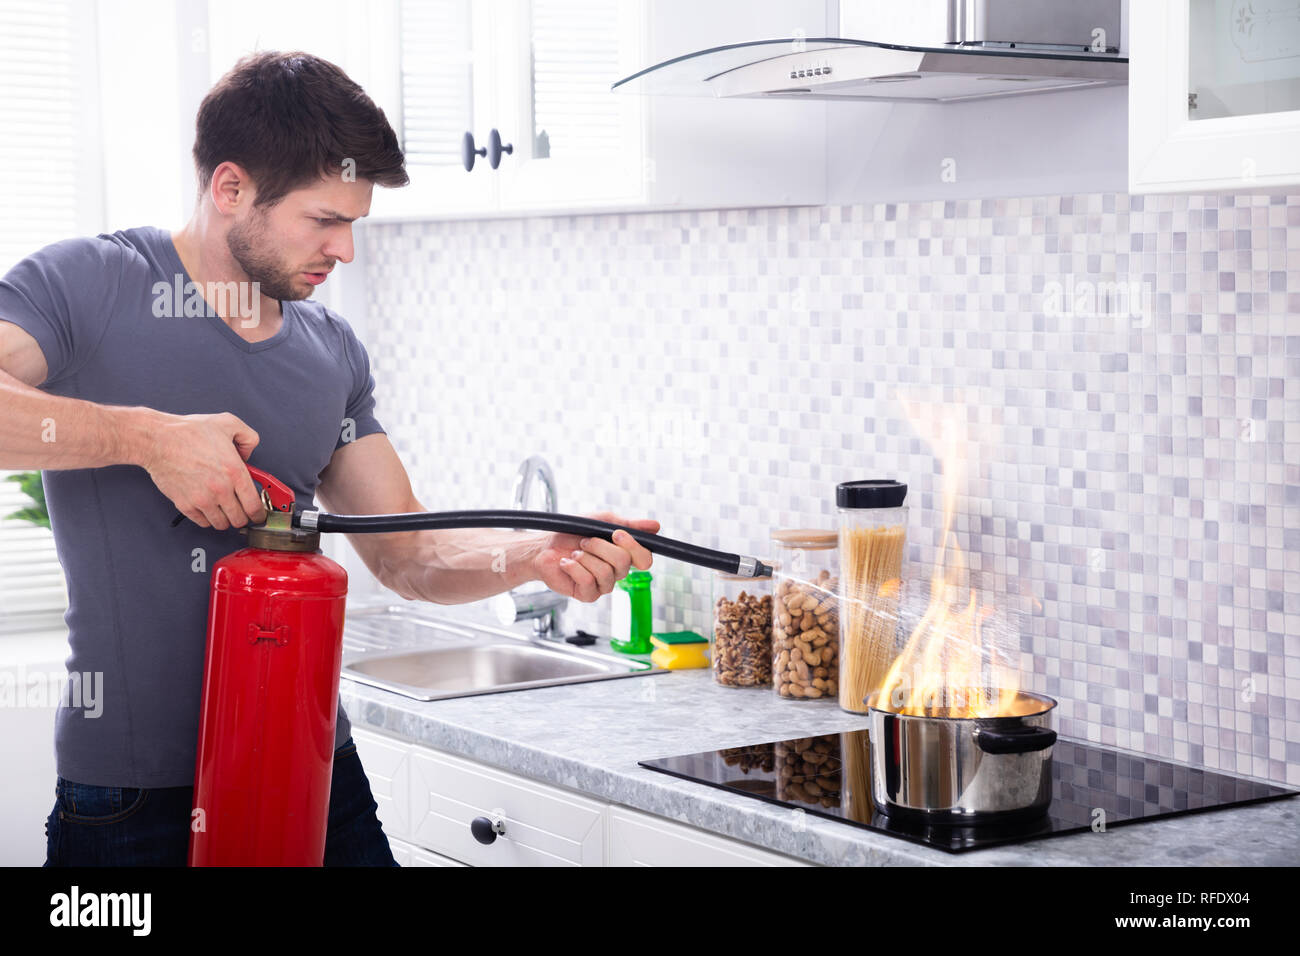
pixel 276 495
pixel 280 494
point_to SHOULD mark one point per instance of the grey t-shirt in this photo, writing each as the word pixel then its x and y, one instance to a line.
pixel 137 587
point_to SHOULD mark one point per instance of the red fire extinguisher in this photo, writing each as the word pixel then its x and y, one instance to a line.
pixel 271 675
pixel 270 689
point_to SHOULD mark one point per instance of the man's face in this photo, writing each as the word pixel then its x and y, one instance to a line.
pixel 288 248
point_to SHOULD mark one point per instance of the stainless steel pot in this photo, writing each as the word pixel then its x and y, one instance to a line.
pixel 963 770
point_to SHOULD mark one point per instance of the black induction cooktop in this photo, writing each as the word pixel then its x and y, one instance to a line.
pixel 829 776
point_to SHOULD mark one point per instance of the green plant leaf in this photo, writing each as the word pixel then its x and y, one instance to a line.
pixel 29 482
pixel 33 515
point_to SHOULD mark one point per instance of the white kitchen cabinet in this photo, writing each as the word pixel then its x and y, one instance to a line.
pixel 1214 95
pixel 425 858
pixel 401 851
pixel 432 797
pixel 643 839
pixel 387 764
pixel 574 142
pixel 544 825
pixel 427 63
pixel 441 83
pixel 407 855
pixel 540 73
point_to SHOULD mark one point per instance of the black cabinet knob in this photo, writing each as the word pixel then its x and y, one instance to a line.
pixel 495 149
pixel 468 152
pixel 483 830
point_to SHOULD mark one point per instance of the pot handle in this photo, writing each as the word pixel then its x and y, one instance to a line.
pixel 1021 741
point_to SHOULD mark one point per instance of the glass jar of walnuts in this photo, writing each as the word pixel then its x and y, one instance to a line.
pixel 740 644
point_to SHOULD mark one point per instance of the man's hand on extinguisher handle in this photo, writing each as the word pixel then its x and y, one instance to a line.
pixel 198 462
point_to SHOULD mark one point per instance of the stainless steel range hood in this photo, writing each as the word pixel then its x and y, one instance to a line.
pixel 936 51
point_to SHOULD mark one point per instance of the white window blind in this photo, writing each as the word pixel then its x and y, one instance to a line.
pixel 44 194
pixel 33 594
pixel 576 49
pixel 437 80
pixel 40 120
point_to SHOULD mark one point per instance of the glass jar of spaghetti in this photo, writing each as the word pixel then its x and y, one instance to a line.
pixel 872 537
pixel 805 614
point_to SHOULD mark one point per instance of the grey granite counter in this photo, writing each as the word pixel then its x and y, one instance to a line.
pixel 589 737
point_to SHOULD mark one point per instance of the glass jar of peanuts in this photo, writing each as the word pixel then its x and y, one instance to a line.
pixel 806 614
pixel 873 536
pixel 740 644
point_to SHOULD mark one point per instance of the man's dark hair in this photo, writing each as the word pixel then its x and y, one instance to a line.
pixel 290 119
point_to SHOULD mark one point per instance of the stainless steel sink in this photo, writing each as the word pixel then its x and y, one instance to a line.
pixel 433 659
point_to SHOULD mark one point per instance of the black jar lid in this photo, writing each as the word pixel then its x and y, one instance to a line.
pixel 877 493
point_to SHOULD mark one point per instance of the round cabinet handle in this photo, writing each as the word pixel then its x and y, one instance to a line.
pixel 495 149
pixel 468 152
pixel 487 829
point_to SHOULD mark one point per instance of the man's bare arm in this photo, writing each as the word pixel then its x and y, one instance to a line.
pixel 39 430
pixel 456 566
pixel 450 566
pixel 195 460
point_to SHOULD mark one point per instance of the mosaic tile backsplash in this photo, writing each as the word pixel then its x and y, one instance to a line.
pixel 1124 373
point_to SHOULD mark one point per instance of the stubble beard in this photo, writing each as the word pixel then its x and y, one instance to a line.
pixel 249 247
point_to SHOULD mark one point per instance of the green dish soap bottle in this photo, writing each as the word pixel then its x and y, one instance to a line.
pixel 630 618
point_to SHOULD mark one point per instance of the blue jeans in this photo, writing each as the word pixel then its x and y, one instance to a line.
pixel 126 826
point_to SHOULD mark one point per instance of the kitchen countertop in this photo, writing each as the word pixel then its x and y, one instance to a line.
pixel 589 737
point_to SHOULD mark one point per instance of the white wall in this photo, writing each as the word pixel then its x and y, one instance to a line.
pixel 28 731
pixel 150 88
pixel 1038 144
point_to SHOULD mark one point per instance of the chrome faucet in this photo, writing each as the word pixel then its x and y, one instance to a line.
pixel 533 602
pixel 535 465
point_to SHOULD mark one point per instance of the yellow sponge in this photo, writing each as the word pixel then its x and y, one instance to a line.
pixel 679 650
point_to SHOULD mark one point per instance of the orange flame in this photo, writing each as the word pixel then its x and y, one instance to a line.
pixel 950 666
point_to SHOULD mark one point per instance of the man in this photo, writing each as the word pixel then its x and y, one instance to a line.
pixel 142 369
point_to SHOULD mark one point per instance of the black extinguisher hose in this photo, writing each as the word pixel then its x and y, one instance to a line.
pixel 532 521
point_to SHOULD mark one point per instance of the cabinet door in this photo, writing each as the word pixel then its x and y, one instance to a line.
pixel 1214 94
pixel 401 852
pixel 642 839
pixel 574 142
pixel 407 855
pixel 425 858
pixel 387 767
pixel 426 63
pixel 444 87
pixel 544 825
